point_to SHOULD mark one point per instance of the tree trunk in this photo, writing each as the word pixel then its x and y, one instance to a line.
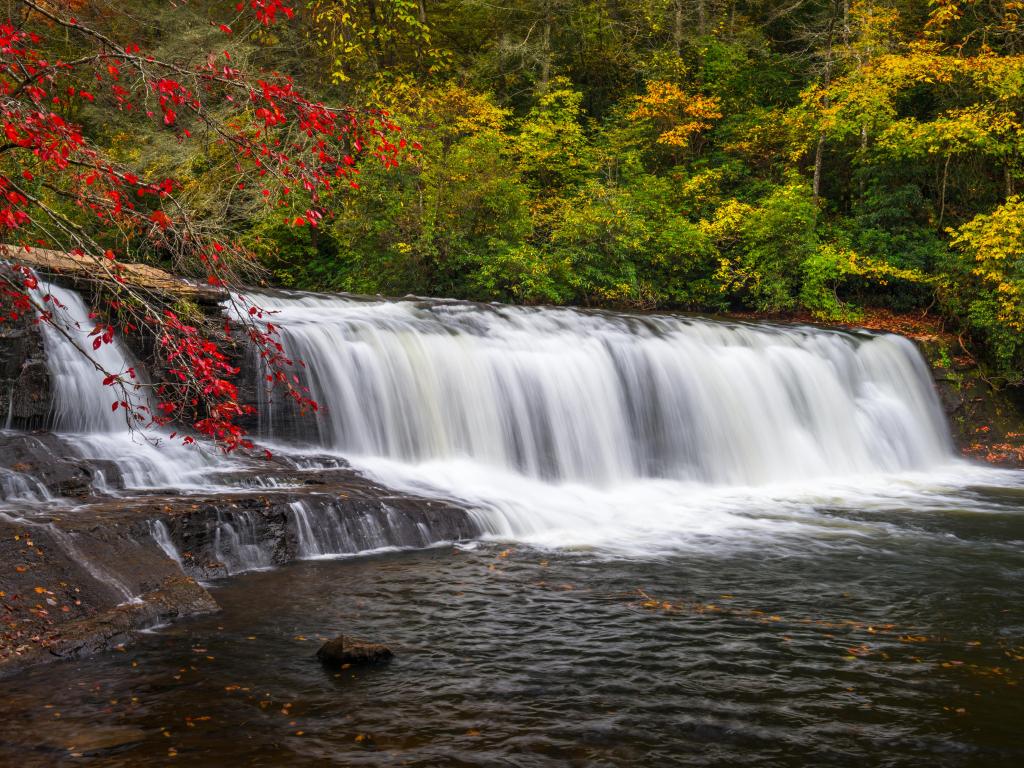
pixel 677 27
pixel 545 63
pixel 863 154
pixel 942 193
pixel 819 153
pixel 375 33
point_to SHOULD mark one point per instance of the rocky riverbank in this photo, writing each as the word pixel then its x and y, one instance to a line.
pixel 88 573
pixel 986 418
pixel 987 423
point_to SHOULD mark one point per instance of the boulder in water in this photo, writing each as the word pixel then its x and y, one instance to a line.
pixel 346 650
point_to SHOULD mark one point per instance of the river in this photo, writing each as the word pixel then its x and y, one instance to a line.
pixel 889 638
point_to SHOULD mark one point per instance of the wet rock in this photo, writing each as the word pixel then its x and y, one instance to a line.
pixel 75 587
pixel 83 582
pixel 44 463
pixel 346 650
pixel 94 739
pixel 63 738
pixel 986 422
pixel 24 378
pixel 176 598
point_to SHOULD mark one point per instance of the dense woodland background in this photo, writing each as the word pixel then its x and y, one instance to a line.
pixel 774 156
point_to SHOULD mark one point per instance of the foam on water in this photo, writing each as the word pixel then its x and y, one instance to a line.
pixel 652 516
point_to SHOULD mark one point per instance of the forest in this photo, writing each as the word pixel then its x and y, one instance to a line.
pixel 809 158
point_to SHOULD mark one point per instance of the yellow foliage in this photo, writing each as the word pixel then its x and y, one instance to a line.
pixel 995 243
pixel 679 116
pixel 449 109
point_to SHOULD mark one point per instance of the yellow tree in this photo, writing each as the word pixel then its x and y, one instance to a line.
pixel 679 118
pixel 994 246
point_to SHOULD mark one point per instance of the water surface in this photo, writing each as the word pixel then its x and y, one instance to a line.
pixel 892 637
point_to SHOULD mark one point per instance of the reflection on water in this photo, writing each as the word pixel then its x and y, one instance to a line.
pixel 855 648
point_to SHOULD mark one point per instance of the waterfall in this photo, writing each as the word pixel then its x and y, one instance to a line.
pixel 81 408
pixel 162 536
pixel 641 433
pixel 17 486
pixel 602 399
pixel 551 425
pixel 322 532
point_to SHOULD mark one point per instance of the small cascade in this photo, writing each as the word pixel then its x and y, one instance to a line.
pixel 162 536
pixel 309 541
pixel 19 487
pixel 323 530
pixel 240 544
pixel 9 420
pixel 99 571
pixel 82 414
pixel 316 525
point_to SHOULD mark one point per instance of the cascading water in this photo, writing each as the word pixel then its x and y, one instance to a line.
pixel 605 399
pixel 121 461
pixel 81 409
pixel 555 425
pixel 551 421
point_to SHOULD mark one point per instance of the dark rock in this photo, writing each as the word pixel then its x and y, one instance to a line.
pixel 78 582
pixel 177 598
pixel 75 587
pixel 24 378
pixel 42 459
pixel 346 650
pixel 986 421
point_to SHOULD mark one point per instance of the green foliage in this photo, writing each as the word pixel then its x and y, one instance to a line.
pixel 822 274
pixel 374 39
pixel 764 246
pixel 523 275
pixel 551 144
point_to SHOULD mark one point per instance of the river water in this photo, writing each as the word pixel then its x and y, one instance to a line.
pixel 704 544
pixel 890 637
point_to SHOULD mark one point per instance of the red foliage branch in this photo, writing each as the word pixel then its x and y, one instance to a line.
pixel 287 151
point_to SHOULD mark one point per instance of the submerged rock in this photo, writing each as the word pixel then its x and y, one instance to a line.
pixel 346 650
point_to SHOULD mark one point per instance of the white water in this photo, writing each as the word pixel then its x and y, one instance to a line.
pixel 82 412
pixel 560 427
pixel 605 400
pixel 17 486
pixel 564 427
pixel 323 532
pixel 162 536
